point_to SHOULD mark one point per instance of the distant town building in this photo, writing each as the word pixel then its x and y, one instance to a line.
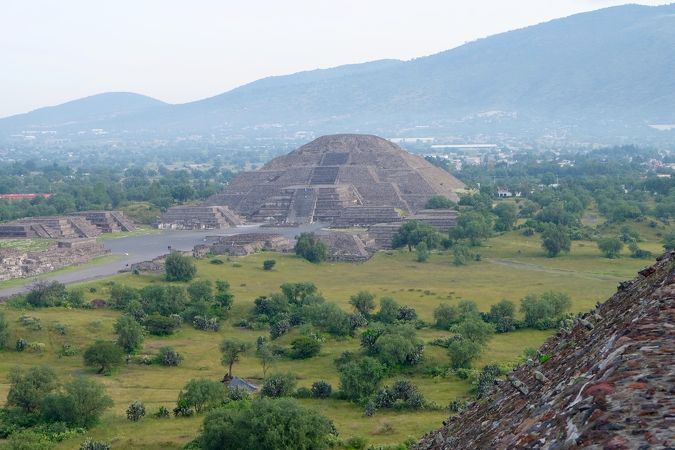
pixel 24 196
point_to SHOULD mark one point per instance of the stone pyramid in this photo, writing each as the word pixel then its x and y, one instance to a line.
pixel 319 180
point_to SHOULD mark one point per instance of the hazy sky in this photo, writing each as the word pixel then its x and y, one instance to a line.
pixel 52 51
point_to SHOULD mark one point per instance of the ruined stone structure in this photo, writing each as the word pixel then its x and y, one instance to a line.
pixel 49 227
pixel 346 247
pixel 107 221
pixel 198 218
pixel 363 216
pixel 248 243
pixel 19 264
pixel 319 180
pixel 608 384
pixel 76 225
pixel 441 219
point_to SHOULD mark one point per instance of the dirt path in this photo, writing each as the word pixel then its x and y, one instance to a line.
pixel 537 268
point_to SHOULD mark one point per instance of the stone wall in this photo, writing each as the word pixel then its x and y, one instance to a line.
pixel 18 264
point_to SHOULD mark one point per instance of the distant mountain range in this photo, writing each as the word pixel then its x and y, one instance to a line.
pixel 607 75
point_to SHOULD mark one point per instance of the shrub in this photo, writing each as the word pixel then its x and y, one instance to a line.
pixel 486 380
pixel 363 302
pixel 305 347
pixel 169 357
pixel 45 294
pixel 278 385
pixel 422 252
pixel 546 310
pixel 303 392
pixel 321 389
pixel 158 325
pixel 463 352
pixel 265 424
pixel 81 403
pixel 439 202
pixel 21 345
pixel 217 261
pixel 161 413
pixel 28 388
pixel 90 444
pixel 403 394
pixel 135 411
pixel 28 440
pixel 206 324
pixel 179 267
pixel 269 264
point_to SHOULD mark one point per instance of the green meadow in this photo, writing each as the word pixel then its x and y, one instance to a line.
pixel 511 266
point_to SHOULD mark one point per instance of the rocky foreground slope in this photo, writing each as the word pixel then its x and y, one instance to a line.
pixel 609 382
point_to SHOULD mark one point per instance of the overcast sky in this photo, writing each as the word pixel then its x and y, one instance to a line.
pixel 53 51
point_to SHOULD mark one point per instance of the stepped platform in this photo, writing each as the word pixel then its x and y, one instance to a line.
pixel 198 218
pixel 107 221
pixel 441 219
pixel 364 216
pixel 49 227
pixel 248 243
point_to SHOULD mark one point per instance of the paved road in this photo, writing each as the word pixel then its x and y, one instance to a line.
pixel 133 249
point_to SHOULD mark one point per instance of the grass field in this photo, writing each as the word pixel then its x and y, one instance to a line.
pixel 512 266
pixel 26 245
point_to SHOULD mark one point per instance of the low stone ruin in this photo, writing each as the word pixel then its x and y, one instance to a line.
pixel 249 243
pixel 107 221
pixel 364 216
pixel 346 247
pixel 198 218
pixel 19 264
pixel 83 224
pixel 49 227
pixel 605 381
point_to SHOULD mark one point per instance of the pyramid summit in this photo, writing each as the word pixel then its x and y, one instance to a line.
pixel 319 180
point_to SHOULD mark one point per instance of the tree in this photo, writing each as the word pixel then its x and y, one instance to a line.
pixel 267 424
pixel 296 293
pixel 398 346
pixel 47 293
pixel 507 214
pixel 546 310
pixel 104 355
pixel 422 252
pixel 200 291
pixel 669 241
pixel 555 239
pixel 461 254
pixel 475 330
pixel 202 394
pixel 4 331
pixel 502 315
pixel 467 309
pixel 388 310
pixel 278 385
pixel 363 302
pixel 414 232
pixel 135 411
pixel 29 387
pixel 266 358
pixel 121 296
pixel 310 247
pixel 439 202
pixel 473 226
pixel 463 352
pixel 232 350
pixel 129 334
pixel 610 246
pixel 361 378
pixel 305 347
pixel 445 316
pixel 269 264
pixel 224 297
pixel 179 267
pixel 80 404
